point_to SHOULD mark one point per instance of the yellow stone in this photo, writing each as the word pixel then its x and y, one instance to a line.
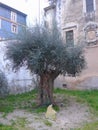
pixel 50 113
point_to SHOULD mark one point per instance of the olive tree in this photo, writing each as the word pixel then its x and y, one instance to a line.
pixel 45 54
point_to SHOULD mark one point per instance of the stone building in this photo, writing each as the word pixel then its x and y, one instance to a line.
pixel 78 21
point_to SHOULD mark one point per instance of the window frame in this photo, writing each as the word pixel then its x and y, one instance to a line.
pixel 84 6
pixel 13 16
pixel 66 37
pixel 49 14
pixel 89 6
pixel 13 26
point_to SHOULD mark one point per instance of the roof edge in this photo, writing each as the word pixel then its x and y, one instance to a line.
pixel 11 8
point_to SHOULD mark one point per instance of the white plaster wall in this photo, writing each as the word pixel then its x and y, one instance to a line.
pixel 19 81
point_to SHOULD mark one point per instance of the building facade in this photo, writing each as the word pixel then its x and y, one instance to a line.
pixel 11 21
pixel 52 10
pixel 78 19
pixel 79 24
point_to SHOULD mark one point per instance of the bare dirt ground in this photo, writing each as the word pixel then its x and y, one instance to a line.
pixel 74 115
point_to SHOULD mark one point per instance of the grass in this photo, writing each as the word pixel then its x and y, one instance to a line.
pixel 20 122
pixel 47 123
pixel 6 127
pixel 89 126
pixel 19 101
pixel 40 109
pixel 83 96
pixel 27 101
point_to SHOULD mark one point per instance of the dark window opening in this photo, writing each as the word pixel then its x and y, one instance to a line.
pixel 69 38
pixel 14 28
pixel 89 6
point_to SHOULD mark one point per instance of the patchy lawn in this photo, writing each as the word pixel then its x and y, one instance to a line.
pixel 77 110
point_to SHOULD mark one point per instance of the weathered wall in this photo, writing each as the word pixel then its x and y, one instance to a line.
pixel 74 18
pixel 89 76
pixel 91 54
pixel 20 81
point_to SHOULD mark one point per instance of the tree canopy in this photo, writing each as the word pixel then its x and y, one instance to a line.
pixel 43 52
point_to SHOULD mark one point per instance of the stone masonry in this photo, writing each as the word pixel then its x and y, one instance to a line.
pixel 81 17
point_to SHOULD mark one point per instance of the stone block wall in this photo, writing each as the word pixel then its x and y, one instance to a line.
pixel 74 18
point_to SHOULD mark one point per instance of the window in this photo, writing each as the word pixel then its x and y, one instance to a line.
pixel 13 16
pixel 89 5
pixel 69 38
pixel 14 28
pixel 50 14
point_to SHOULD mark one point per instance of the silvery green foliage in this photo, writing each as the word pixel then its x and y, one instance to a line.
pixel 43 50
pixel 3 84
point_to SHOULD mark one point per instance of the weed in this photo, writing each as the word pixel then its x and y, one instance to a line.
pixel 47 123
pixel 40 109
pixel 21 122
pixel 89 126
pixel 6 127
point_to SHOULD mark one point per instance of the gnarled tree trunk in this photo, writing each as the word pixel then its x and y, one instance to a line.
pixel 46 88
